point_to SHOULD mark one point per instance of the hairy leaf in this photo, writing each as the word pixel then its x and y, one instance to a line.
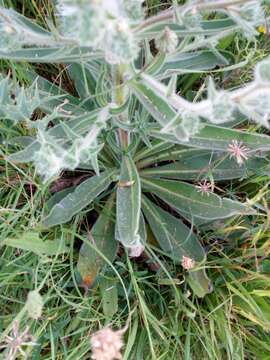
pixel 175 238
pixel 181 63
pixel 57 197
pixel 81 197
pixel 55 96
pixel 209 27
pixel 128 204
pixel 198 164
pixel 51 55
pixel 214 137
pixel 78 125
pixel 158 107
pixel 84 81
pixel 186 198
pixel 157 146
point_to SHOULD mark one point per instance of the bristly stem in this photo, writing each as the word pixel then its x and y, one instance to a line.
pixel 168 14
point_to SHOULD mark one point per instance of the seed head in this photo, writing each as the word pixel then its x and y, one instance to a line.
pixel 14 342
pixel 205 187
pixel 106 344
pixel 168 41
pixel 238 151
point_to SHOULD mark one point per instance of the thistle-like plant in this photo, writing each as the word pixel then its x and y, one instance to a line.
pixel 154 156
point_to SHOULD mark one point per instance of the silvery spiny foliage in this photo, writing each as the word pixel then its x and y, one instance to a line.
pixel 250 13
pixel 184 125
pixel 191 19
pixel 262 72
pixel 15 34
pixel 257 106
pixel 54 156
pixel 18 103
pixel 134 9
pixel 77 20
pixel 222 108
pixel 107 25
pixel 190 125
pixel 119 43
pixel 10 37
pixel 254 100
pixel 102 24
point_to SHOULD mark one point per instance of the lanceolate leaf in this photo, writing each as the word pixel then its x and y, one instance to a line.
pixel 213 137
pixel 181 63
pixel 57 197
pixel 26 23
pixel 198 164
pixel 209 27
pixel 155 104
pixel 101 238
pixel 21 140
pixel 178 241
pixel 81 197
pixel 142 230
pixel 175 238
pixel 84 81
pixel 25 155
pixel 156 64
pixel 186 199
pixel 128 204
pixel 157 146
pixel 51 55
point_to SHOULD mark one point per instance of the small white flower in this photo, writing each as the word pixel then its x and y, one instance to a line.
pixel 205 187
pixel 238 151
pixel 188 263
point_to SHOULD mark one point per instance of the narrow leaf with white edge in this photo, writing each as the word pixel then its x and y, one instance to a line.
pixel 128 205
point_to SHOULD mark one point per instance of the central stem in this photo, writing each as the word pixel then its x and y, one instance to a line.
pixel 119 100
